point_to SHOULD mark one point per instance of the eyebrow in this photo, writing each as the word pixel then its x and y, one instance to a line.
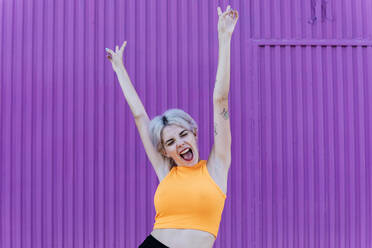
pixel 172 138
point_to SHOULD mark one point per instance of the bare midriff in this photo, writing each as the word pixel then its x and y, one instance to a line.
pixel 184 238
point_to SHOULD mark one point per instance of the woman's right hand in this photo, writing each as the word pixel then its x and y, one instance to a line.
pixel 116 58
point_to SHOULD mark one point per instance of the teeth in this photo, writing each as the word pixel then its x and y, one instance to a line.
pixel 185 151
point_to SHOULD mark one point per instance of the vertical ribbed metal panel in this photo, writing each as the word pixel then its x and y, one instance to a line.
pixel 311 19
pixel 73 171
pixel 315 143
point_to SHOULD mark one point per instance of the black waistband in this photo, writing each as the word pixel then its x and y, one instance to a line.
pixel 151 242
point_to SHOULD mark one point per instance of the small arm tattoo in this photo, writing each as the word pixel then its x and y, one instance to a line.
pixel 225 114
pixel 215 129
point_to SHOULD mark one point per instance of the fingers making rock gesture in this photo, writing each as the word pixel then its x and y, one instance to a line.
pixel 116 58
pixel 227 21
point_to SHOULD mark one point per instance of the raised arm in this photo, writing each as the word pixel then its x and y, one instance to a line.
pixel 138 110
pixel 221 150
pixel 134 102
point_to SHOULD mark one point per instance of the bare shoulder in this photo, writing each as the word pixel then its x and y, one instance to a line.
pixel 218 170
pixel 217 167
pixel 162 170
pixel 216 164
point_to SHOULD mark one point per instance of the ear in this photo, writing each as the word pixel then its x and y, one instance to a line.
pixel 162 151
pixel 195 132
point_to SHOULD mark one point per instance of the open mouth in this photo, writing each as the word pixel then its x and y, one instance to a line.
pixel 187 154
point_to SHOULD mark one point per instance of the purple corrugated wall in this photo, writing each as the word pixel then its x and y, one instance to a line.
pixel 73 172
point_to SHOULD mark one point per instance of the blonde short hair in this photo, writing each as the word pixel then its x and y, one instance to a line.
pixel 170 117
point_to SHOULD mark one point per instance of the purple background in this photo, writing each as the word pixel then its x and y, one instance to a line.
pixel 73 171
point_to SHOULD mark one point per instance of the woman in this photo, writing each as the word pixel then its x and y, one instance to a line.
pixel 191 194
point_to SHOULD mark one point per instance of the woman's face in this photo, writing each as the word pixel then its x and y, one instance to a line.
pixel 180 144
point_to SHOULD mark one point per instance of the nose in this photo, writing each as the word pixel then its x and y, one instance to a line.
pixel 180 144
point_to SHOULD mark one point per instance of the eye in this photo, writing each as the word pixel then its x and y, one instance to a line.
pixel 170 143
pixel 183 134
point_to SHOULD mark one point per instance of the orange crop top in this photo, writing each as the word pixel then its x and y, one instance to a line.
pixel 188 198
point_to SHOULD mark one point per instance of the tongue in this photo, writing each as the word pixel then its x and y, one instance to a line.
pixel 187 156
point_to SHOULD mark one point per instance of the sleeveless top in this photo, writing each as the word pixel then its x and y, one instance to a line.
pixel 188 198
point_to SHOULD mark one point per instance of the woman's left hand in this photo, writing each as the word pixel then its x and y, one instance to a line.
pixel 227 21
